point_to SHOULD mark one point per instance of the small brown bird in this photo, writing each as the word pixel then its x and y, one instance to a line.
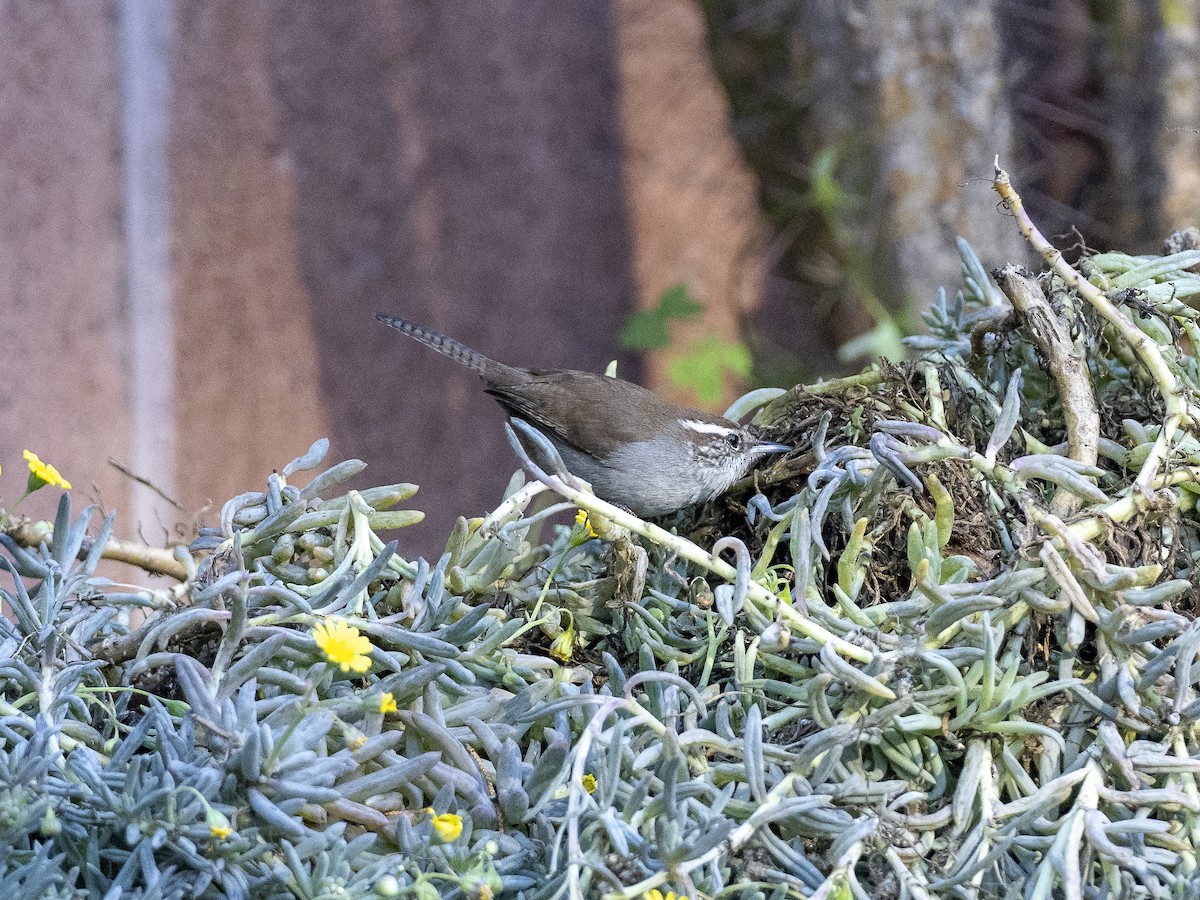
pixel 636 449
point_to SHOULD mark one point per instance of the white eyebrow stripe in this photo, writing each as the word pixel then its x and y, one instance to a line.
pixel 705 427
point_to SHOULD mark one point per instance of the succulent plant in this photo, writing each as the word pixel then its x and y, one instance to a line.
pixel 953 654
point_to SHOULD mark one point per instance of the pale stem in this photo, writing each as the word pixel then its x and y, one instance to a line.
pixel 1146 349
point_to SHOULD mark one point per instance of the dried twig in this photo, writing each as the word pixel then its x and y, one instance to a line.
pixel 155 560
pixel 1146 349
pixel 1067 367
pixel 145 482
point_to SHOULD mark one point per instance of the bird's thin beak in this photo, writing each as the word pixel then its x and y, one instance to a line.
pixel 765 447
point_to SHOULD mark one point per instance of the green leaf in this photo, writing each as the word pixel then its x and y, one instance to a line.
pixel 646 330
pixel 678 303
pixel 706 366
pixel 649 329
pixel 824 191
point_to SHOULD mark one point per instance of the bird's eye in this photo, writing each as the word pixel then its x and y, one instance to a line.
pixel 735 440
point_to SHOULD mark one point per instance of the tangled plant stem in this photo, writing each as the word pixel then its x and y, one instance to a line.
pixel 1146 349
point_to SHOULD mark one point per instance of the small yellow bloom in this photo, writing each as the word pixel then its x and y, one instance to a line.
pixel 448 826
pixel 387 703
pixel 589 783
pixel 41 473
pixel 342 644
pixel 656 894
pixel 218 826
pixel 581 521
pixel 564 645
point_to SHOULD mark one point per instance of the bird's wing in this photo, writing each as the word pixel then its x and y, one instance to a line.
pixel 591 413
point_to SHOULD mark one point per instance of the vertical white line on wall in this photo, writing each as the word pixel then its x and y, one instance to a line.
pixel 145 28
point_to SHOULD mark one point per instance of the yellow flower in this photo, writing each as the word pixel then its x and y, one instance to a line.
pixel 564 645
pixel 448 826
pixel 387 703
pixel 354 738
pixel 342 644
pixel 41 473
pixel 218 826
pixel 581 521
pixel 589 783
pixel 656 894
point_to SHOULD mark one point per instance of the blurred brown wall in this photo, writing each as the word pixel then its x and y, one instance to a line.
pixel 65 386
pixel 484 168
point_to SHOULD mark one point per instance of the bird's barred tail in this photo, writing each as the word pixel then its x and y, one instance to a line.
pixel 447 346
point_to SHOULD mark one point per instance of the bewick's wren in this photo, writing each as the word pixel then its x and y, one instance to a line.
pixel 635 448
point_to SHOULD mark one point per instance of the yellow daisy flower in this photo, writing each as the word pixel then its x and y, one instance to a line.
pixel 342 644
pixel 589 783
pixel 220 832
pixel 387 703
pixel 448 826
pixel 41 473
